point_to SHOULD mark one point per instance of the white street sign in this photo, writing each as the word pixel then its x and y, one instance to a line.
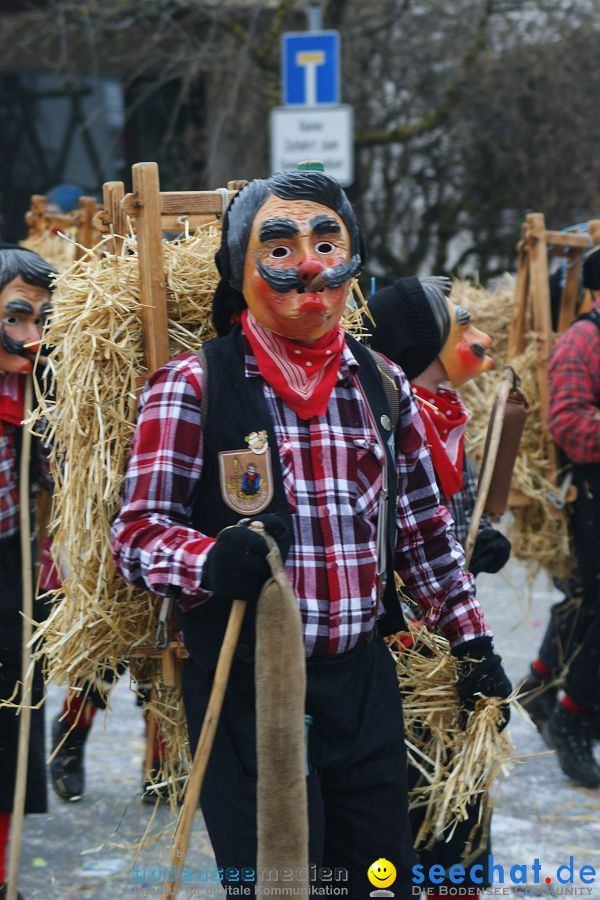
pixel 325 134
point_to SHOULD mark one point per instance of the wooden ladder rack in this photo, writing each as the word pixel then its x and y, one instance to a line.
pixel 150 212
pixel 532 311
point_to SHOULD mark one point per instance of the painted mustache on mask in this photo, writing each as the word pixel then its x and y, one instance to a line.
pixel 9 345
pixel 285 280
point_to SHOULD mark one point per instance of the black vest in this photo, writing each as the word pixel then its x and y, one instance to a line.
pixel 234 406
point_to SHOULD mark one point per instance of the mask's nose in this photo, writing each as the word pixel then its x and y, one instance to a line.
pixel 31 337
pixel 309 268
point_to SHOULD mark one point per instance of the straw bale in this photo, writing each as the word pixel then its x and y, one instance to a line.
pixel 56 249
pixel 458 757
pixel 97 356
pixel 539 534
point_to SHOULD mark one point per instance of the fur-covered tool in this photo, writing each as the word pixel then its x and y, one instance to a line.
pixel 280 677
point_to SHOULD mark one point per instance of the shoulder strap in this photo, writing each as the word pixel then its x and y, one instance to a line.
pixel 389 386
pixel 204 399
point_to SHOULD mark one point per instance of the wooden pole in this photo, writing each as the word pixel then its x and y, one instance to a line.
pixel 568 300
pixel 153 293
pixel 517 327
pixel 84 230
pixel 542 325
pixel 205 743
pixel 112 195
pixel 152 273
pixel 26 677
pixel 542 320
pixel 36 215
pixel 485 479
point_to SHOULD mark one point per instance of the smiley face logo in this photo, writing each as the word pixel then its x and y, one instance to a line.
pixel 381 874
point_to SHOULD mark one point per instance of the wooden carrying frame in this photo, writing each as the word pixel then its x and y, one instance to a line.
pixel 149 212
pixel 531 308
pixel 39 220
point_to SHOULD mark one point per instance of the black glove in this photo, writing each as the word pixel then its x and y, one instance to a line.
pixel 236 565
pixel 491 551
pixel 484 676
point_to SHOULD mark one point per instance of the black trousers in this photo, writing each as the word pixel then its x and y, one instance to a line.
pixel 357 789
pixel 583 678
pixel 11 623
pixel 567 626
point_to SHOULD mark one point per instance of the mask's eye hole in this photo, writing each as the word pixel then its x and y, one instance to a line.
pixel 39 321
pixel 325 247
pixel 12 320
pixel 280 252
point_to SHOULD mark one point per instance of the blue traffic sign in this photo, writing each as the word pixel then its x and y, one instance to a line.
pixel 310 62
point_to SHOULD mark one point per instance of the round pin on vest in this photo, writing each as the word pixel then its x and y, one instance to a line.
pixel 386 422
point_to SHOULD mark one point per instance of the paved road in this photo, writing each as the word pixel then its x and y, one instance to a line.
pixel 84 850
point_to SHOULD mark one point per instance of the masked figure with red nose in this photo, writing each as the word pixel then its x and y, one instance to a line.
pixel 24 306
pixel 25 286
pixel 347 490
pixel 418 327
pixel 434 341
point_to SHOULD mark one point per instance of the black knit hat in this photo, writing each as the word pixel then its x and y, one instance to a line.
pixel 591 270
pixel 412 322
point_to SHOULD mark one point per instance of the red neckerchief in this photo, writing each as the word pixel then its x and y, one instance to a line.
pixel 445 420
pixel 12 398
pixel 303 375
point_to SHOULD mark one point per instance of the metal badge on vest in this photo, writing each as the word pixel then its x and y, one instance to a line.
pixel 246 475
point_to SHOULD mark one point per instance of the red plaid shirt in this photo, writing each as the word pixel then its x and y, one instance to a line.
pixel 574 376
pixel 332 471
pixel 9 478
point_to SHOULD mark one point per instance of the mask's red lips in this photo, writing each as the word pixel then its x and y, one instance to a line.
pixel 312 303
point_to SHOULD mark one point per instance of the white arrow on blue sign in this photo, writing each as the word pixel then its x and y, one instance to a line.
pixel 310 62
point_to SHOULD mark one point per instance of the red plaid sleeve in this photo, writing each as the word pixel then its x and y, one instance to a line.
pixel 9 484
pixel 574 378
pixel 153 544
